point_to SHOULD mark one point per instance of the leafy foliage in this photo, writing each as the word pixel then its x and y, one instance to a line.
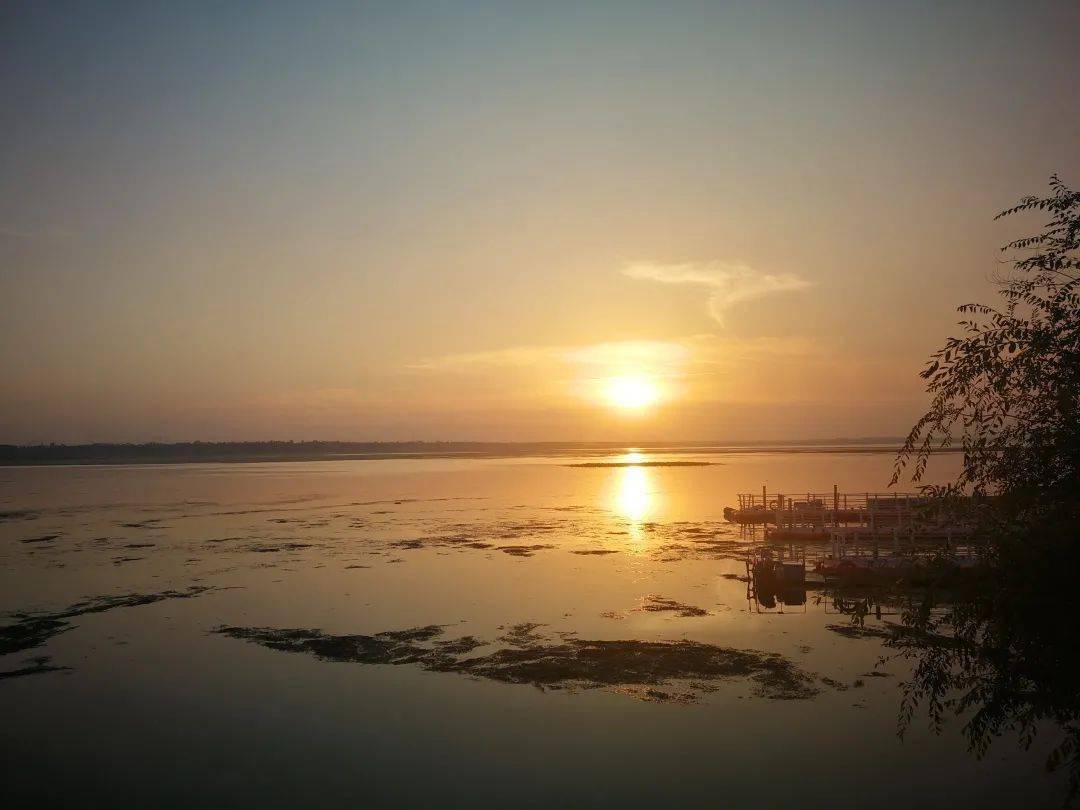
pixel 1009 386
pixel 1005 655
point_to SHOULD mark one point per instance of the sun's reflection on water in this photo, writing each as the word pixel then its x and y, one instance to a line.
pixel 633 497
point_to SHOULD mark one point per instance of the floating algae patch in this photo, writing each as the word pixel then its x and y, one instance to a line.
pixel 521 635
pixel 595 552
pixel 392 647
pixel 859 631
pixel 460 646
pixel 523 551
pixel 654 603
pixel 458 540
pixel 36 666
pixel 34 629
pixel 658 671
pixel 271 548
pixel 18 514
pixel 28 633
pixel 45 538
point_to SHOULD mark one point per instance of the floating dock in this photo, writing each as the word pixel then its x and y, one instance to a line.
pixel 825 509
pixel 882 522
pixel 848 538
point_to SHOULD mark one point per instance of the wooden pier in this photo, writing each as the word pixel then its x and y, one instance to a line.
pixel 824 509
pixel 845 518
pixel 846 539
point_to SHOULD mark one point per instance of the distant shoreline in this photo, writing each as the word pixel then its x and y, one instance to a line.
pixel 643 464
pixel 271 452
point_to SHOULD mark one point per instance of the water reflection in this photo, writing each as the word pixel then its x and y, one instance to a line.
pixel 1001 654
pixel 633 494
pixel 655 671
pixel 439 545
pixel 634 498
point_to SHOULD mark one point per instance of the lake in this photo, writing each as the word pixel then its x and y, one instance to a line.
pixel 511 632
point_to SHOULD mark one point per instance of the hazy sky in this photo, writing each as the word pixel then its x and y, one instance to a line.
pixel 470 220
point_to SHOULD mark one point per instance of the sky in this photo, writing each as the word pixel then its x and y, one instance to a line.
pixel 504 221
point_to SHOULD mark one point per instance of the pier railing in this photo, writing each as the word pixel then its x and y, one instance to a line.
pixel 892 518
pixel 843 501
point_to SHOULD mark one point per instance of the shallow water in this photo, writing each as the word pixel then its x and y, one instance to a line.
pixel 577 636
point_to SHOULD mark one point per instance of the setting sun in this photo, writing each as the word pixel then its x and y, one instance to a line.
pixel 632 393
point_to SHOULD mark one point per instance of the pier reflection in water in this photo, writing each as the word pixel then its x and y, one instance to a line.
pixel 992 650
pixel 1001 652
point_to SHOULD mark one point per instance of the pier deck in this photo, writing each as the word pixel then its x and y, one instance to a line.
pixel 845 518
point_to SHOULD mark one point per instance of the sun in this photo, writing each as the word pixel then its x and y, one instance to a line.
pixel 632 393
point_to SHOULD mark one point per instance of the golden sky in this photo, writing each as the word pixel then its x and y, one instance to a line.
pixel 594 221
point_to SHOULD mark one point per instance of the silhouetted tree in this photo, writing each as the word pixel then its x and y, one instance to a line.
pixel 1004 655
pixel 1010 385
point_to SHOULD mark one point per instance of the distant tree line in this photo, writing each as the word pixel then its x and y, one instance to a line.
pixel 175 452
pixel 210 451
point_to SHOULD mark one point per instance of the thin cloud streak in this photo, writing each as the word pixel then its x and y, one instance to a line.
pixel 651 356
pixel 43 233
pixel 728 284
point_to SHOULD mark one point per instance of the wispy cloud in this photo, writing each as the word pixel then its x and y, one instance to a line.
pixel 661 358
pixel 728 284
pixel 34 234
pixel 689 368
pixel 653 356
pixel 494 358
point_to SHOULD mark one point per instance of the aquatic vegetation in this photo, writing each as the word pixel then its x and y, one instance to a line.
pixel 30 632
pixel 524 551
pixel 34 629
pixel 270 548
pixel 37 666
pixel 858 631
pixel 631 667
pixel 46 538
pixel 18 514
pixel 654 603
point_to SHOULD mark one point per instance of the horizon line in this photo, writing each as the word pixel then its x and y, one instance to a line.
pixel 441 442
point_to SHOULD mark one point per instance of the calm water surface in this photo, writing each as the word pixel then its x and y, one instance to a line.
pixel 445 632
